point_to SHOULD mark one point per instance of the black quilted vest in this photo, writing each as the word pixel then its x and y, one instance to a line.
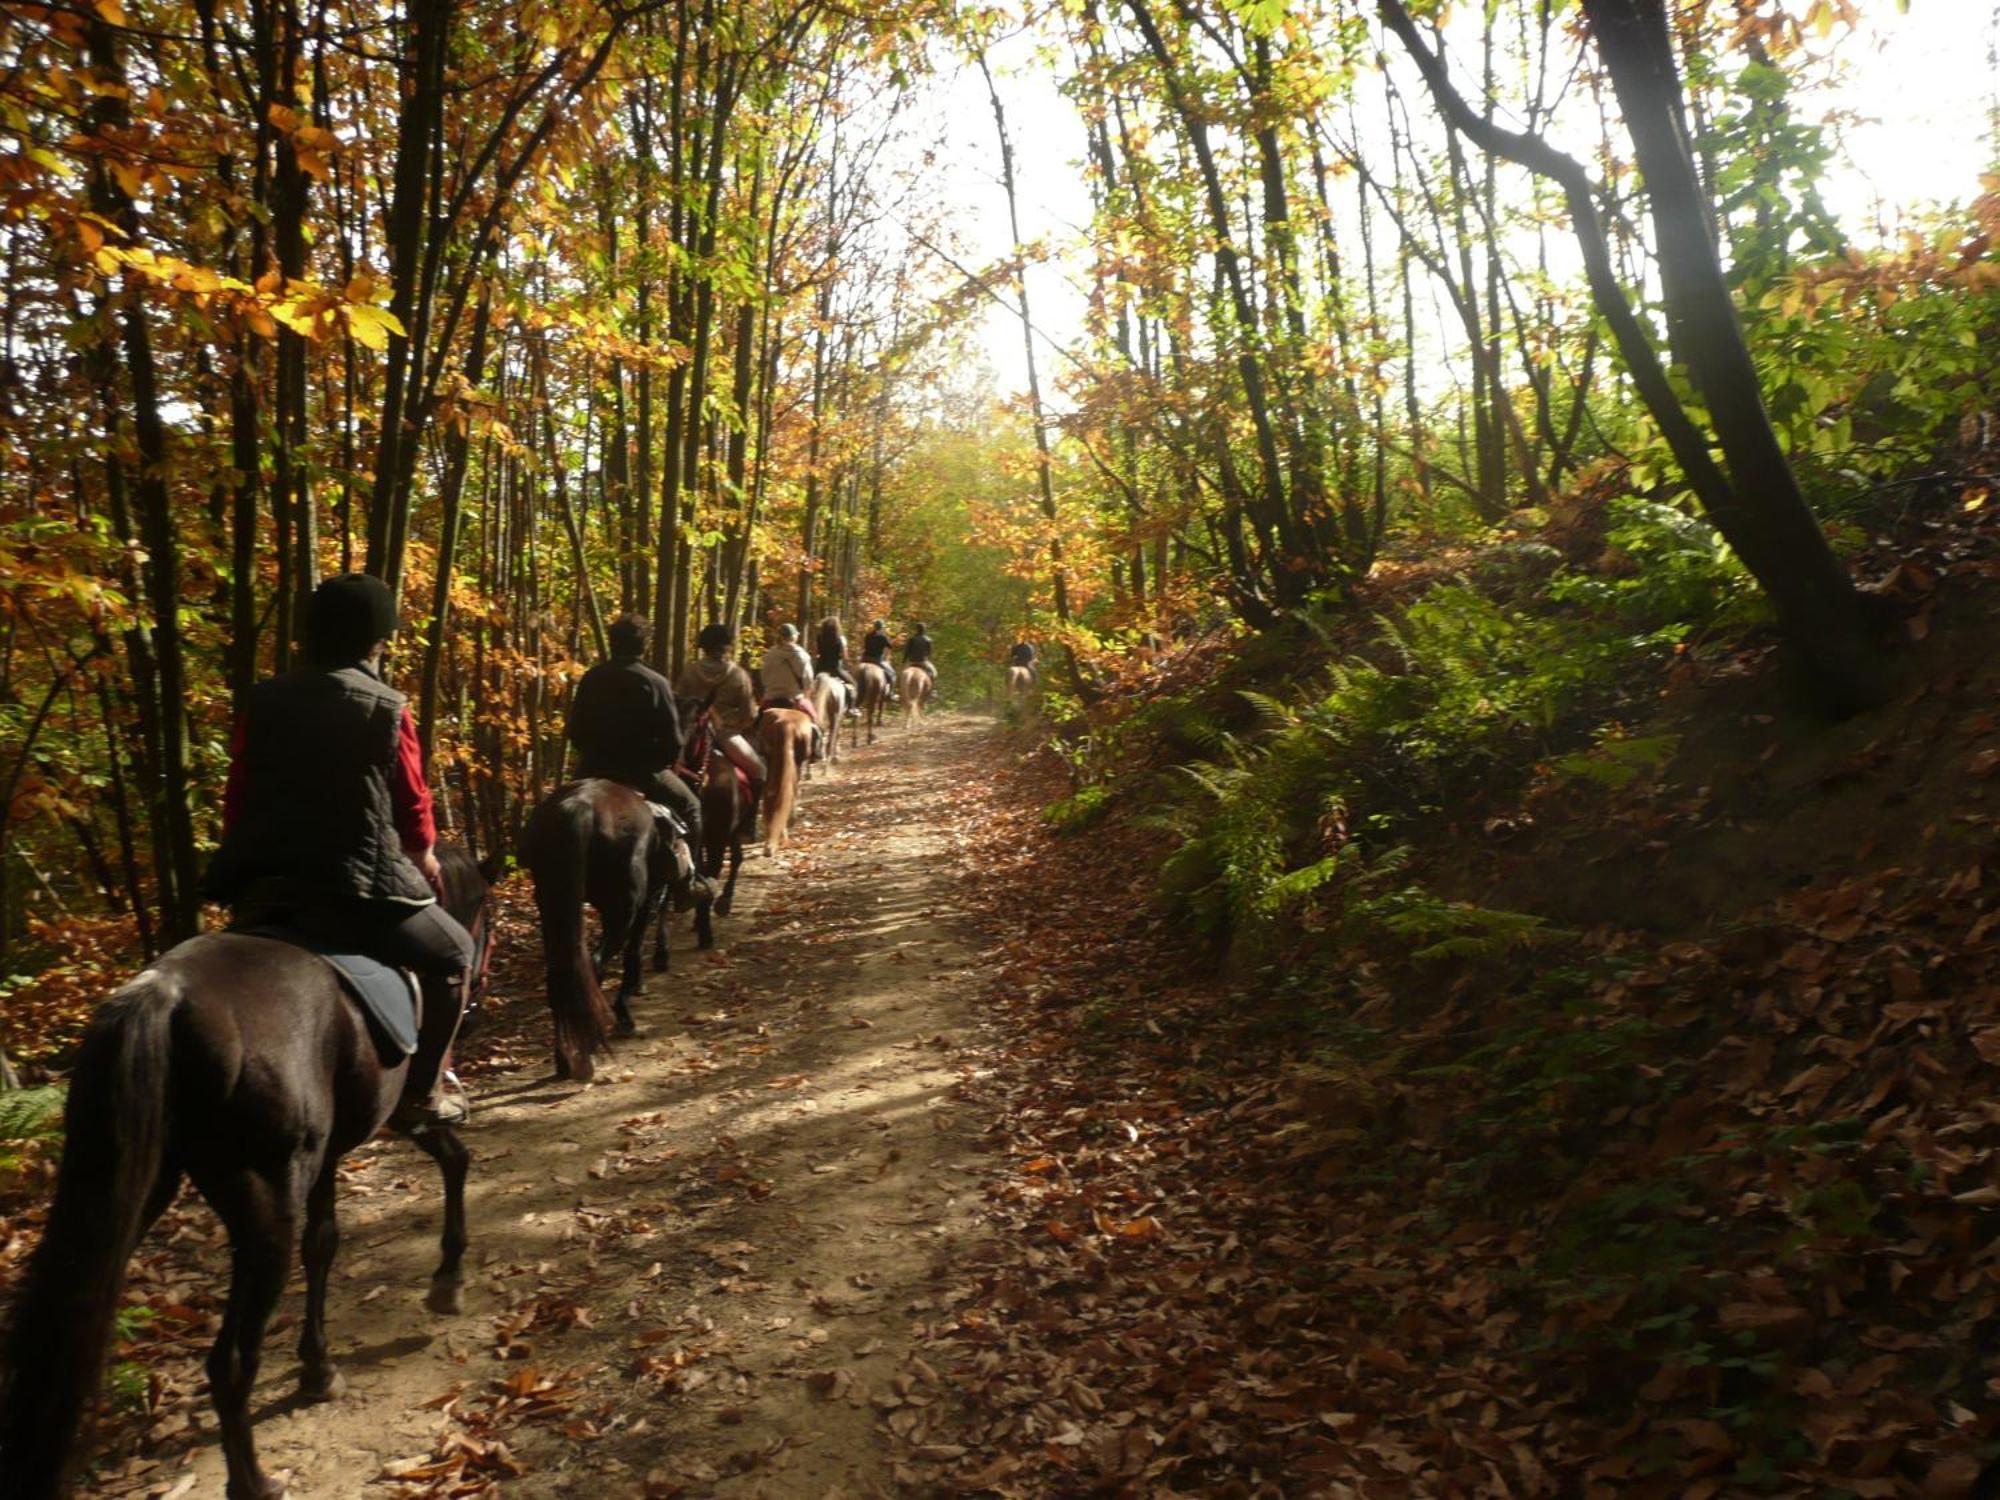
pixel 320 748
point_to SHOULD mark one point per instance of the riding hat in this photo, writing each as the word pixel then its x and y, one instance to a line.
pixel 347 615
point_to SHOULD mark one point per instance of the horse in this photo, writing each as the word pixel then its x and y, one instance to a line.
pixel 916 686
pixel 240 1062
pixel 829 699
pixel 728 817
pixel 784 735
pixel 873 679
pixel 597 841
pixel 1020 684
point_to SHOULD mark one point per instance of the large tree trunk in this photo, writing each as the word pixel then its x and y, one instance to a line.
pixel 1756 503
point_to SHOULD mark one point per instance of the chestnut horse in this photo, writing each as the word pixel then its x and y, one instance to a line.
pixel 873 678
pixel 916 688
pixel 784 736
pixel 728 817
pixel 241 1063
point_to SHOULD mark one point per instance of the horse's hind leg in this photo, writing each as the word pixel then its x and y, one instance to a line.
pixel 447 1293
pixel 261 1216
pixel 728 897
pixel 318 1379
pixel 661 918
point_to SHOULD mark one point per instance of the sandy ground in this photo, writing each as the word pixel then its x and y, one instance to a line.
pixel 704 1274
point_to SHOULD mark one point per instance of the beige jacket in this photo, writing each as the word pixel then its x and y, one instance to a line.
pixel 735 706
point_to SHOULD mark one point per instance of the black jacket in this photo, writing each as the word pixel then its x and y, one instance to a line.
pixel 829 651
pixel 918 651
pixel 319 750
pixel 622 722
pixel 1023 654
pixel 875 647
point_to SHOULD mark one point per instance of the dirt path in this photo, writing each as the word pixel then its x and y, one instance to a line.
pixel 705 1274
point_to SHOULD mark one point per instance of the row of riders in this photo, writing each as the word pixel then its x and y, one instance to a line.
pixel 241 1061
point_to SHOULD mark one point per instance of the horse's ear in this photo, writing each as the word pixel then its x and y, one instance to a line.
pixel 492 868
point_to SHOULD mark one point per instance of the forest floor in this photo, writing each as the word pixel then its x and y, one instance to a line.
pixel 706 1273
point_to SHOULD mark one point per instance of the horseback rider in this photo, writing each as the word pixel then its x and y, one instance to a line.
pixel 875 648
pixel 1023 655
pixel 713 679
pixel 830 657
pixel 787 670
pixel 917 652
pixel 328 826
pixel 624 727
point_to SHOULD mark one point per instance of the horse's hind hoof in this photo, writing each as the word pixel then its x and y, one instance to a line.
pixel 316 1386
pixel 626 1027
pixel 446 1297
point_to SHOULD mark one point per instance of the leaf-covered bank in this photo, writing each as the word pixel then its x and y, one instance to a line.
pixel 1630 1133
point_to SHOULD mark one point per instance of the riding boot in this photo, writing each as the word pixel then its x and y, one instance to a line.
pixel 696 886
pixel 425 1104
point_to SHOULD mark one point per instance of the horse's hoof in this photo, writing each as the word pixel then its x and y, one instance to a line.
pixel 722 906
pixel 316 1386
pixel 660 962
pixel 563 1068
pixel 625 1025
pixel 446 1297
pixel 260 1487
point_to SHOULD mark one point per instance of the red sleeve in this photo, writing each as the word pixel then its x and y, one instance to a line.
pixel 409 793
pixel 236 788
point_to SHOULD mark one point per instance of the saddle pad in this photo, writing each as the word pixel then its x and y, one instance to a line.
pixel 388 996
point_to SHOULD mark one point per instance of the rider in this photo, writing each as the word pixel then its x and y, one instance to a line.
pixel 830 657
pixel 917 652
pixel 787 670
pixel 725 688
pixel 1023 655
pixel 875 647
pixel 624 727
pixel 328 827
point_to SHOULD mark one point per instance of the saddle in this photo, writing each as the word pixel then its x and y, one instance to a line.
pixel 389 997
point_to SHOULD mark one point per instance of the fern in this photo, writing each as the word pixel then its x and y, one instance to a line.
pixel 31 1114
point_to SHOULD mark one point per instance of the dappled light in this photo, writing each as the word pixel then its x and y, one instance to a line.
pixel 1230 748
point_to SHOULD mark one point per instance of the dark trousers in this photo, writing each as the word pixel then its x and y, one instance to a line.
pixel 667 788
pixel 428 939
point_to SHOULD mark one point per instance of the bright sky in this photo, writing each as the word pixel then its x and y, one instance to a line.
pixel 1921 86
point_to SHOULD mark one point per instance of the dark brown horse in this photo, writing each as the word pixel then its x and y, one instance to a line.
pixel 596 841
pixel 872 681
pixel 241 1064
pixel 728 817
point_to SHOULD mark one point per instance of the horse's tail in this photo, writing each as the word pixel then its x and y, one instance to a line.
pixel 113 1163
pixel 783 793
pixel 558 857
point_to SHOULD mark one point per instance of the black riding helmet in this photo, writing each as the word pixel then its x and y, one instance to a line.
pixel 716 637
pixel 347 615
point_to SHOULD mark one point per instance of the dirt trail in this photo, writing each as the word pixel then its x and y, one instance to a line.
pixel 704 1274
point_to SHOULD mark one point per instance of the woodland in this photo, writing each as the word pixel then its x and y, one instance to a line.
pixel 1490 979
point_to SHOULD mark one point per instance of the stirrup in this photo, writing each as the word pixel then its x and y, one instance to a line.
pixel 448 1110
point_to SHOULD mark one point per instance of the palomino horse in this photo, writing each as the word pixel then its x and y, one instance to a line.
pixel 784 735
pixel 728 817
pixel 916 686
pixel 828 698
pixel 597 841
pixel 874 683
pixel 241 1063
pixel 1020 685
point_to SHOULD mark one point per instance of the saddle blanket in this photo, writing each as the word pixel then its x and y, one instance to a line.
pixel 388 996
